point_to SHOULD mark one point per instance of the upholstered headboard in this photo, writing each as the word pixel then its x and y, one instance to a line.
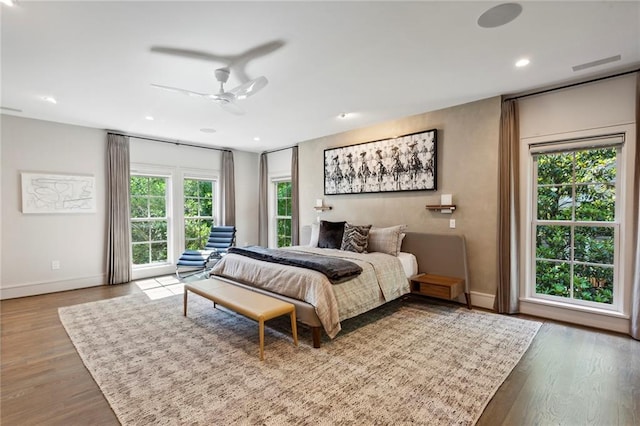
pixel 438 254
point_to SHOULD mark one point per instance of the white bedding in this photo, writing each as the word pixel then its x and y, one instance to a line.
pixel 383 278
pixel 409 263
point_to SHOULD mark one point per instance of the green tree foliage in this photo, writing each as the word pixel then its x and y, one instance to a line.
pixel 283 221
pixel 198 212
pixel 573 258
pixel 148 224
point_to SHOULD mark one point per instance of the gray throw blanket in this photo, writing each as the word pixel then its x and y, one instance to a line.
pixel 336 270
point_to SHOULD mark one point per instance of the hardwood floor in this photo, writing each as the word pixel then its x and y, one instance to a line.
pixel 42 378
pixel 569 376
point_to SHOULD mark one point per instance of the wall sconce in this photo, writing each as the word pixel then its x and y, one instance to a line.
pixel 320 207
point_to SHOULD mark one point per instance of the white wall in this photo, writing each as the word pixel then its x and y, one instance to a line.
pixel 592 109
pixel 31 241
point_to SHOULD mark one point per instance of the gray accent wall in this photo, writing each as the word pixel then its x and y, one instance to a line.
pixel 467 168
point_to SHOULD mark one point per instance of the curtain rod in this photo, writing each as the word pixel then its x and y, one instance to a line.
pixel 540 92
pixel 176 142
pixel 279 149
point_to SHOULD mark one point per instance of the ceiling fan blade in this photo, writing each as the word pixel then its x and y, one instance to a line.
pixel 231 107
pixel 178 90
pixel 190 53
pixel 249 88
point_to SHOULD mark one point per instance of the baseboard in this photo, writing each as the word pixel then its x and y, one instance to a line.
pixel 479 300
pixel 43 287
pixel 482 300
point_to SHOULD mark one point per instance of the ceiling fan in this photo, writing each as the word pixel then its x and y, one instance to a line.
pixel 226 100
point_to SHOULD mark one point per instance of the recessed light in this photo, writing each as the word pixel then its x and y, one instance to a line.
pixel 522 63
pixel 343 115
pixel 148 117
pixel 207 130
pixel 257 138
pixel 499 15
pixel 49 99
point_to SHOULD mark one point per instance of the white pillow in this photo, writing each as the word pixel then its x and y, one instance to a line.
pixel 315 235
pixel 386 240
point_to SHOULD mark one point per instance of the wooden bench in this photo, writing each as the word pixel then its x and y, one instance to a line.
pixel 256 306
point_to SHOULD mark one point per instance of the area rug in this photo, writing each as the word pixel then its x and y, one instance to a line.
pixel 408 362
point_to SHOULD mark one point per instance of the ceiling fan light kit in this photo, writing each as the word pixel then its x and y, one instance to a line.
pixel 226 100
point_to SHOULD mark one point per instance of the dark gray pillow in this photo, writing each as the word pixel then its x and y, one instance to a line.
pixel 355 238
pixel 330 235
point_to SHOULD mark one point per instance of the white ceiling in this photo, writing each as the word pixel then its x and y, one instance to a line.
pixel 377 60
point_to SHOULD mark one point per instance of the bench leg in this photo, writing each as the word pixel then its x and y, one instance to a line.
pixel 185 302
pixel 261 328
pixel 294 328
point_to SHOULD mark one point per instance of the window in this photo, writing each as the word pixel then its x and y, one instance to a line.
pixel 575 226
pixel 283 213
pixel 198 212
pixel 149 221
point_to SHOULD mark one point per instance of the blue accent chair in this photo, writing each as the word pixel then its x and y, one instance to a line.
pixel 195 261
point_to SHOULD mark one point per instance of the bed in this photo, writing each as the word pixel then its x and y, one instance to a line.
pixel 322 305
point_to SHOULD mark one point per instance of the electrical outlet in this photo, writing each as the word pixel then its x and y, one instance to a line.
pixel 452 223
pixel 55 264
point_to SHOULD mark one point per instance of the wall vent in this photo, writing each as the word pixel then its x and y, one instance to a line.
pixel 586 65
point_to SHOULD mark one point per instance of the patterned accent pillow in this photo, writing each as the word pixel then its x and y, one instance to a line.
pixel 386 240
pixel 355 238
pixel 330 235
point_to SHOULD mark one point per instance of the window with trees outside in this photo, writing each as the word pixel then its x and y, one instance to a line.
pixel 283 213
pixel 574 224
pixel 198 212
pixel 149 222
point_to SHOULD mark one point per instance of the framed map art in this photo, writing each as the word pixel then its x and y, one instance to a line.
pixel 404 163
pixel 58 193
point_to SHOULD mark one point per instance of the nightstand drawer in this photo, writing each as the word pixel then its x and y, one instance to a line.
pixel 434 290
pixel 439 286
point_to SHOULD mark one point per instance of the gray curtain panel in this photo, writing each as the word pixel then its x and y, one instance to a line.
pixel 263 202
pixel 295 203
pixel 118 213
pixel 635 291
pixel 506 301
pixel 228 189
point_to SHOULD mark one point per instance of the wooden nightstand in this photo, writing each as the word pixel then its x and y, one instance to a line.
pixel 439 286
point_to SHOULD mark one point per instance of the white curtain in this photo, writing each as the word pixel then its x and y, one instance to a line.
pixel 263 202
pixel 228 189
pixel 118 213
